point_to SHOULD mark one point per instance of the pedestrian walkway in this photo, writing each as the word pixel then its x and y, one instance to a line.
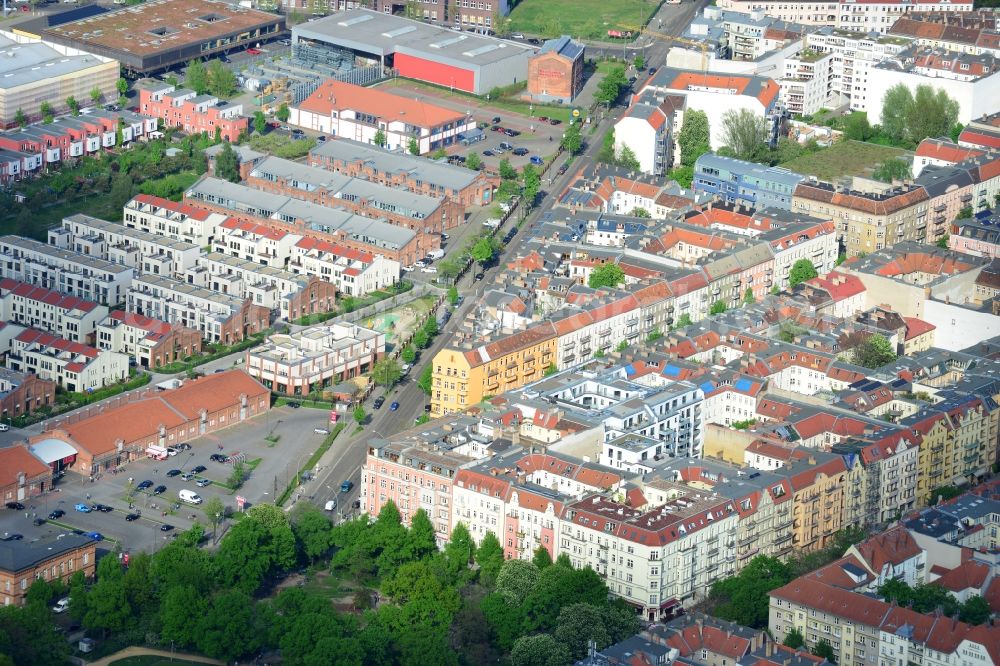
pixel 141 651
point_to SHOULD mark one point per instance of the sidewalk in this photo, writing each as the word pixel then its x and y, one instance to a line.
pixel 140 651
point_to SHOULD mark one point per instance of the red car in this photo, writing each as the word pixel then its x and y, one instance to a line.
pixel 253 51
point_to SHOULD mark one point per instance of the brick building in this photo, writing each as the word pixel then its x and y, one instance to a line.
pixel 119 434
pixel 149 341
pixel 51 557
pixel 22 393
pixel 22 475
pixel 190 111
pixel 556 72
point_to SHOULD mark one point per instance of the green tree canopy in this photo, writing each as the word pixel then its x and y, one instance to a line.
pixel 413 146
pixel 283 113
pixel 483 251
pixel 386 372
pixel 473 161
pixel 745 133
pixel 874 352
pixel 426 380
pixel 794 639
pixel 196 77
pixel 892 169
pixel 801 271
pixel 259 122
pixel 227 165
pixel 606 275
pixel 539 650
pixel 694 138
pixel 627 159
pixel 743 598
pixel 572 139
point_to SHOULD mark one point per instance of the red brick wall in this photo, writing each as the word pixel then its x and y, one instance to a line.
pixel 175 346
pixel 192 121
pixel 555 75
pixel 12 580
pixel 318 296
pixel 34 392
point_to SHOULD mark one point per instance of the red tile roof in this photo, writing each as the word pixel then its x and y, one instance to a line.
pixel 47 296
pixel 337 95
pixel 945 151
pixel 967 575
pixel 17 460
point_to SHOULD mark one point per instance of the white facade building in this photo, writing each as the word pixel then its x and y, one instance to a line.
pixel 68 317
pixel 171 219
pixel 854 56
pixel 806 82
pixel 73 366
pixel 354 273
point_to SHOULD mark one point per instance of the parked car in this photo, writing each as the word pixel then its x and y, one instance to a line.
pixel 253 52
pixel 321 431
pixel 174 472
pixel 478 277
pixel 517 35
pixel 394 406
pixel 487 153
pixel 131 516
pixel 496 120
pixel 13 537
pixel 38 522
pixel 16 506
pixel 187 476
pixel 506 146
pixel 346 486
pixel 61 605
pixel 218 457
pixel 4 427
pixel 145 484
pixel 543 119
pixel 379 401
pixel 96 536
pixel 184 447
pixel 537 161
pixel 511 132
pixel 554 121
pixel 562 169
pixel 496 128
pixel 201 483
pixel 420 263
pixel 171 451
pixel 103 508
pixel 520 152
pixel 198 469
pixel 159 490
pixel 652 70
pixel 429 269
pixel 166 528
pixel 57 514
pixel 293 404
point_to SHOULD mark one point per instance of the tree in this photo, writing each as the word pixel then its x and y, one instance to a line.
pixel 896 105
pixel 515 580
pixel 214 511
pixel 228 628
pixel 743 598
pixel 107 609
pixel 933 114
pixel 283 113
pixel 684 320
pixel 421 340
pixel 386 372
pixel 694 138
pixel 892 169
pixel 974 610
pixel 572 139
pixel 541 558
pixel 794 639
pixel 421 541
pixel 473 161
pixel 227 165
pixel 458 551
pixel 489 557
pixel 825 650
pixel 551 369
pixel 718 307
pixel 539 650
pixel 964 213
pixel 801 271
pixel 20 118
pixel 122 86
pixel 745 133
pixel 121 190
pixel 874 352
pixel 379 138
pixel 748 297
pixel 532 183
pixel 452 294
pixel 46 110
pixel 73 105
pixel 483 251
pixel 196 77
pixel 606 275
pixel 449 268
pixel 640 212
pixel 857 127
pixel 578 624
pixel 312 530
pixel 610 87
pixel 259 122
pixel 238 476
pixel 639 62
pixel 606 154
pixel 221 80
pixel 413 146
pixel 409 354
pixel 426 381
pixel 359 414
pixel 507 172
pixel 628 160
pixel 28 636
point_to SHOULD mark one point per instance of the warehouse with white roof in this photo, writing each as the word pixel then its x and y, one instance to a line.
pixel 460 60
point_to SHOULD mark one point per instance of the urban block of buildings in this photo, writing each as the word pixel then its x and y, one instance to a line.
pixel 193 113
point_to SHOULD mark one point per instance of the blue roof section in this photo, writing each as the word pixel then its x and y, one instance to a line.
pixel 743 385
pixel 629 369
pixel 707 387
pixel 672 371
pixel 564 46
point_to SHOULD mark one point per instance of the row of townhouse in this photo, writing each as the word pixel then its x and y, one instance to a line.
pixel 878 16
pixel 150 343
pixel 71 273
pixel 36 307
pixel 364 197
pixel 73 366
pixel 32 148
pixel 217 317
pixel 172 219
pixel 191 112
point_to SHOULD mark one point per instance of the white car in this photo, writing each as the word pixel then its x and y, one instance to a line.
pixel 4 427
pixel 61 605
pixel 171 451
pixel 429 269
pixel 420 263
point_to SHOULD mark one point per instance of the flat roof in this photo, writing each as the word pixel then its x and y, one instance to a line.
pixel 161 26
pixel 385 34
pixel 21 64
pixel 402 163
pixel 25 554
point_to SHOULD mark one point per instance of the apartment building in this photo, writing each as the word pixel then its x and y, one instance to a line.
pixel 22 475
pixel 976 236
pixel 144 252
pixel 878 16
pixel 353 273
pixel 284 294
pixel 171 219
pixel 150 343
pixel 35 307
pixel 615 190
pixel 970 32
pixel 402 170
pixel 941 152
pixel 217 317
pixel 50 557
pixel 257 243
pixel 191 112
pixel 745 183
pixel 344 109
pixel 363 197
pixel 649 129
pixel 74 367
pixel 320 356
pixel 71 273
pixel 284 215
pixel 867 222
pixel 970 80
pixel 807 81
pixel 416 469
pixel 854 53
pixel 22 393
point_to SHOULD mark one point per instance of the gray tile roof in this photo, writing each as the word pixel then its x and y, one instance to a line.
pixel 25 554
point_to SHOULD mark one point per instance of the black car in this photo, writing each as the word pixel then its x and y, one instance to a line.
pixel 479 276
pixel 520 152
pixel 510 132
pixel 184 447
pixel 496 120
pixel 217 457
pixel 174 472
pixel 16 506
pixel 554 121
pixel 487 153
pixel 293 404
pixel 159 490
pixel 652 70
pixel 496 128
pixel 14 537
pixel 427 408
pixel 145 484
pixel 562 169
pixel 38 522
pixel 199 469
pixel 132 516
pixel 379 401
pixel 103 508
pixel 166 528
pixel 57 514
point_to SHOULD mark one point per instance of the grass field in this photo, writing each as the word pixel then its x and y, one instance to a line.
pixel 580 18
pixel 151 660
pixel 560 112
pixel 846 158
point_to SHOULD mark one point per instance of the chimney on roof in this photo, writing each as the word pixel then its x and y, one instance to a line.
pixel 768 647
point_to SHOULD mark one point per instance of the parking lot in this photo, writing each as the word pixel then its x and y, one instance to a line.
pixel 296 442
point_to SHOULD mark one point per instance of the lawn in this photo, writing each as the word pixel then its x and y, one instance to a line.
pixel 589 19
pixel 152 660
pixel 845 158
pixel 559 112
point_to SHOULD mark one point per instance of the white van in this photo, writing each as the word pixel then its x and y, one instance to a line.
pixel 61 605
pixel 189 496
pixel 330 505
